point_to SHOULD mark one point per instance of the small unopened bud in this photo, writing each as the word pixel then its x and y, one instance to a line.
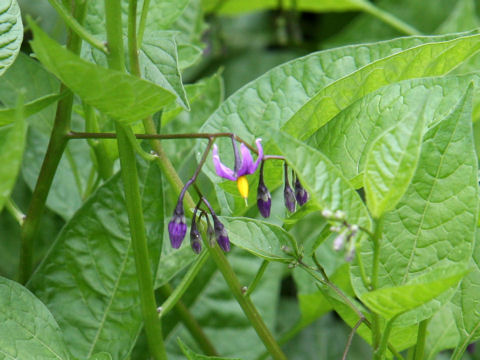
pixel 327 213
pixel 339 241
pixel 244 289
pixel 221 234
pixel 264 200
pixel 289 197
pixel 195 238
pixel 210 233
pixel 300 193
pixel 335 228
pixel 177 227
pixel 339 215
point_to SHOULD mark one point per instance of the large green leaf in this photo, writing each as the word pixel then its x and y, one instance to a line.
pixel 421 61
pixel 12 144
pixel 260 238
pixel 11 33
pixel 393 301
pixel 433 224
pixel 88 280
pixel 119 95
pixel 391 163
pixel 28 329
pixel 191 355
pixel 346 139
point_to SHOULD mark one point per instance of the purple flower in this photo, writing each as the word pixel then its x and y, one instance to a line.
pixel 221 234
pixel 243 166
pixel 300 193
pixel 177 227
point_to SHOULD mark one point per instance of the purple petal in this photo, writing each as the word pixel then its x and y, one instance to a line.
pixel 247 161
pixel 260 156
pixel 221 169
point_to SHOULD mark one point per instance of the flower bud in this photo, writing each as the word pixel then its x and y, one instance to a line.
pixel 177 227
pixel 339 241
pixel 195 238
pixel 339 215
pixel 300 193
pixel 221 234
pixel 350 254
pixel 327 213
pixel 289 197
pixel 264 200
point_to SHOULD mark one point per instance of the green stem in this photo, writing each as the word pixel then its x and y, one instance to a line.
pixel 113 17
pixel 76 27
pixel 421 339
pixel 257 278
pixel 377 234
pixel 74 168
pixel 175 296
pixel 15 211
pixel 56 146
pixel 139 243
pixel 190 323
pixel 389 19
pixel 143 22
pixel 215 252
pixel 379 353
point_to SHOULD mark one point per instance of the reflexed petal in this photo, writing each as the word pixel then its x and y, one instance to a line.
pixel 247 161
pixel 221 169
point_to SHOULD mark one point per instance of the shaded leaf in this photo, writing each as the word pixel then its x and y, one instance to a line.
pixel 194 356
pixel 28 329
pixel 119 95
pixel 11 33
pixel 7 116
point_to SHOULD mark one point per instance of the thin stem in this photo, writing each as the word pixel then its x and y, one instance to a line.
pixel 421 339
pixel 176 294
pixel 132 38
pixel 377 235
pixel 15 211
pixel 56 146
pixel 139 243
pixel 350 337
pixel 257 278
pixel 378 354
pixel 190 323
pixel 389 19
pixel 113 17
pixel 76 27
pixel 143 22
pixel 74 168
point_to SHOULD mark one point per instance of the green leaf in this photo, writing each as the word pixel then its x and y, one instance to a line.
pixel 11 33
pixel 162 13
pixel 101 356
pixel 434 223
pixel 28 329
pixel 346 139
pixel 393 301
pixel 194 356
pixel 88 280
pixel 119 95
pixel 391 163
pixel 424 60
pixel 7 116
pixel 462 18
pixel 12 144
pixel 159 64
pixel 260 238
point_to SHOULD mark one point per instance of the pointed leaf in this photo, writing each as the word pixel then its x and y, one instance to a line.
pixel 393 301
pixel 88 280
pixel 391 163
pixel 11 33
pixel 119 95
pixel 7 116
pixel 28 330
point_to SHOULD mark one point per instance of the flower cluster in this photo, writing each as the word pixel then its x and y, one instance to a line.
pixel 346 233
pixel 244 165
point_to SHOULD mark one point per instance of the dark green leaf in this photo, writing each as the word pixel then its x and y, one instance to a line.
pixel 194 356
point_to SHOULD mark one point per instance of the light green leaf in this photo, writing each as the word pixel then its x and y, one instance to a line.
pixel 101 356
pixel 88 280
pixel 194 356
pixel 462 18
pixel 346 139
pixel 12 144
pixel 172 262
pixel 260 238
pixel 391 163
pixel 433 224
pixel 28 330
pixel 233 7
pixel 159 64
pixel 11 33
pixel 119 95
pixel 442 331
pixel 393 301
pixel 7 116
pixel 162 13
pixel 421 61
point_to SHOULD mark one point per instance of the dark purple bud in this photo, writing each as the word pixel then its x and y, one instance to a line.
pixel 471 348
pixel 289 197
pixel 195 238
pixel 264 200
pixel 300 193
pixel 177 227
pixel 221 234
pixel 210 233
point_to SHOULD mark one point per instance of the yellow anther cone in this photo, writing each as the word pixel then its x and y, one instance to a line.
pixel 242 185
